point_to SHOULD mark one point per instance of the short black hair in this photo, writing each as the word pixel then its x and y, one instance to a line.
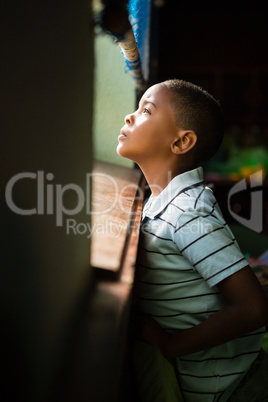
pixel 195 109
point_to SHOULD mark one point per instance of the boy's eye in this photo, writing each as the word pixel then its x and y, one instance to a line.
pixel 145 110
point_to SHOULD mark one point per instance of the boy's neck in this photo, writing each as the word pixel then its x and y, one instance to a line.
pixel 158 178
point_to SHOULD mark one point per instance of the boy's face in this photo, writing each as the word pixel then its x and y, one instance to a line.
pixel 149 131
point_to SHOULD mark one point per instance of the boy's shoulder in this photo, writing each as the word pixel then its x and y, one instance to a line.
pixel 185 192
pixel 197 206
pixel 200 198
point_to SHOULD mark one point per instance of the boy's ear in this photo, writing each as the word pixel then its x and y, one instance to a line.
pixel 184 142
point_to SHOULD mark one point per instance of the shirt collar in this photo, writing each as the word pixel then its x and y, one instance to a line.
pixel 178 184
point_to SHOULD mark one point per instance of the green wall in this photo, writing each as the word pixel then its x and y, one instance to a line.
pixel 115 97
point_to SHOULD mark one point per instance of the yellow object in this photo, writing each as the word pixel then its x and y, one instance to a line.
pixel 247 171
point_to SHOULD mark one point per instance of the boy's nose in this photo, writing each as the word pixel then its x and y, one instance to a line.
pixel 129 119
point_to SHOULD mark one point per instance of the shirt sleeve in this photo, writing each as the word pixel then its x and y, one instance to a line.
pixel 209 245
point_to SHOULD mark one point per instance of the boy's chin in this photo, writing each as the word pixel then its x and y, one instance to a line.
pixel 119 151
pixel 123 154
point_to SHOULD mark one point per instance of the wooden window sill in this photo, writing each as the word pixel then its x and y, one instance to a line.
pixel 117 193
pixel 117 197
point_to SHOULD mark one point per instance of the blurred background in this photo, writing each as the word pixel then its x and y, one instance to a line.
pixel 219 46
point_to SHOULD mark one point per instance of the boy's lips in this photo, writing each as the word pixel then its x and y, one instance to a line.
pixel 122 135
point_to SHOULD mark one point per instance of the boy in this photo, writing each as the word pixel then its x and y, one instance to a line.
pixel 202 304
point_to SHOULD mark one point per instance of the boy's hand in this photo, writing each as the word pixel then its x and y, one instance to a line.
pixel 152 333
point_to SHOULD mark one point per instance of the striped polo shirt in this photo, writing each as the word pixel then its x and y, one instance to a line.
pixel 185 249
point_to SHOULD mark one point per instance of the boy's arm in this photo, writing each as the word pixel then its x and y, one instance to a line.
pixel 246 311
